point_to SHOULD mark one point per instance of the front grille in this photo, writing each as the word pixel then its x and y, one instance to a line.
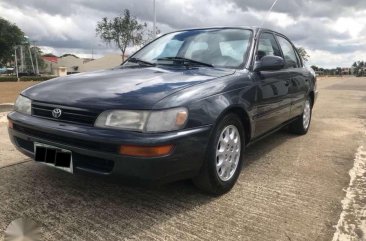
pixel 66 140
pixel 69 114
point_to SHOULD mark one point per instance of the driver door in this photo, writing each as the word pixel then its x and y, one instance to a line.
pixel 272 100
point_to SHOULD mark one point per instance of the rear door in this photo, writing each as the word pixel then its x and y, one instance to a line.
pixel 299 81
pixel 272 100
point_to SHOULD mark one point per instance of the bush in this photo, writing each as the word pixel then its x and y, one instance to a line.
pixel 36 78
pixel 8 79
pixel 25 78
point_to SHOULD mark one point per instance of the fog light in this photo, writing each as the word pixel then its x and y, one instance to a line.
pixel 145 151
pixel 10 124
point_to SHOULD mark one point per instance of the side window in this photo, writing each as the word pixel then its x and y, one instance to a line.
pixel 267 45
pixel 288 53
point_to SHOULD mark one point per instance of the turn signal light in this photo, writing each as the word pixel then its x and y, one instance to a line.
pixel 10 124
pixel 145 151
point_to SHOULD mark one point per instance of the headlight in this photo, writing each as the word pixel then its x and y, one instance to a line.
pixel 144 121
pixel 122 119
pixel 167 120
pixel 23 105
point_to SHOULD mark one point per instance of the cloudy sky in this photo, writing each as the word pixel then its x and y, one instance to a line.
pixel 332 31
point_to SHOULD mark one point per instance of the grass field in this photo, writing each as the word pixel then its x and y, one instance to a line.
pixel 10 90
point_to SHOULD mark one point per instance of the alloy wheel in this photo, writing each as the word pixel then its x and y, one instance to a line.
pixel 228 152
pixel 306 114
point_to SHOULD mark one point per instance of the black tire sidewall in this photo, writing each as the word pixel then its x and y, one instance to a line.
pixel 297 126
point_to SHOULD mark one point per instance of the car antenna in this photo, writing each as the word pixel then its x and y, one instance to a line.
pixel 269 12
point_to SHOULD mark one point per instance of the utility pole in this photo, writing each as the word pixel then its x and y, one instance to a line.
pixel 36 56
pixel 16 61
pixel 21 59
pixel 154 25
pixel 31 58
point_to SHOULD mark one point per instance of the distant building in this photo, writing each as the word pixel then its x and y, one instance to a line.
pixel 106 62
pixel 74 64
pixel 50 58
pixel 346 71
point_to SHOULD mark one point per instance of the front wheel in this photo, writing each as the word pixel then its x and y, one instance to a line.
pixel 224 157
pixel 302 123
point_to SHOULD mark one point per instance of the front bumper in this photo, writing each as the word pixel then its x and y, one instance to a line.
pixel 96 150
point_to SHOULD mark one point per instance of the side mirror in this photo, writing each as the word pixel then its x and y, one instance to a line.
pixel 269 63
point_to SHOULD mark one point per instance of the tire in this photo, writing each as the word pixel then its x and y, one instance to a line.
pixel 222 164
pixel 302 124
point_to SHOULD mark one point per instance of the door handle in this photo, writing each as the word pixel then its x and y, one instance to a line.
pixel 287 83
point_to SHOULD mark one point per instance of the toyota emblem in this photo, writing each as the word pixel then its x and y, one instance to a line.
pixel 56 113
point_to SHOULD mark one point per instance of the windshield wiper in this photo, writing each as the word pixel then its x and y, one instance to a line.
pixel 141 62
pixel 185 60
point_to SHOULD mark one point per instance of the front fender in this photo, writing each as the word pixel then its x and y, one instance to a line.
pixel 208 101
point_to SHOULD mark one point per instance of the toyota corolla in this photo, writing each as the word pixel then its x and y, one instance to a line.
pixel 184 106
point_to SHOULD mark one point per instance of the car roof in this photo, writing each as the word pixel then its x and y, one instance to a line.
pixel 255 29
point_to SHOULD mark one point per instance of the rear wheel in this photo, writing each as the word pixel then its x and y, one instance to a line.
pixel 224 157
pixel 302 123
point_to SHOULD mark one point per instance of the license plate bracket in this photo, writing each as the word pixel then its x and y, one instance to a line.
pixel 53 156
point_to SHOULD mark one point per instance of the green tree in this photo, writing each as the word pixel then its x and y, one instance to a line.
pixel 358 68
pixel 10 36
pixel 314 67
pixel 302 52
pixel 123 31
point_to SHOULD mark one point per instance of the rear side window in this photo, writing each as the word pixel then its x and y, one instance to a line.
pixel 288 53
pixel 267 46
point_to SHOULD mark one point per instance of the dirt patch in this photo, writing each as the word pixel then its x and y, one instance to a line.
pixel 3 118
pixel 347 87
pixel 10 90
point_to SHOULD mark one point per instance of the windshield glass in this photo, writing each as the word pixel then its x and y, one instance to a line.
pixel 225 48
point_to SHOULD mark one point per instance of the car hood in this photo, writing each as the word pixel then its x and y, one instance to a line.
pixel 121 88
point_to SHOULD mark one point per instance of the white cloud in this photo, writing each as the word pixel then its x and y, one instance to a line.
pixel 333 32
pixel 326 59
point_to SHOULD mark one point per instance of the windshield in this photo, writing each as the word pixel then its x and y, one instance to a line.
pixel 225 48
